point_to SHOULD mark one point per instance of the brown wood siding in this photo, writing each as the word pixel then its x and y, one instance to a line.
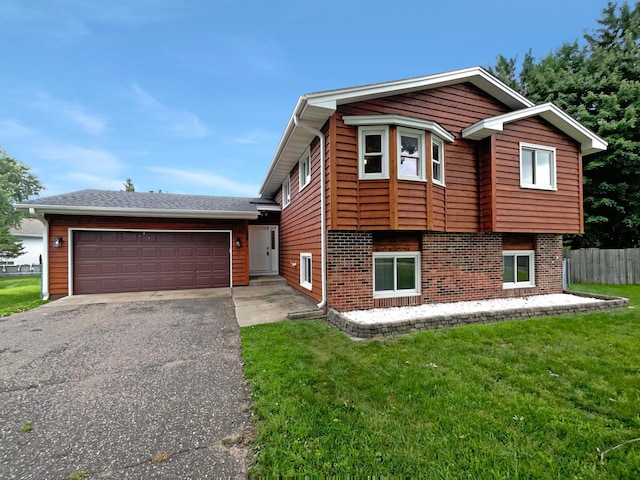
pixel 487 173
pixel 59 226
pixel 454 107
pixel 520 209
pixel 300 227
pixel 396 242
pixel 411 205
pixel 515 241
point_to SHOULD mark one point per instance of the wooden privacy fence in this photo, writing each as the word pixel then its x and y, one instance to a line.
pixel 593 265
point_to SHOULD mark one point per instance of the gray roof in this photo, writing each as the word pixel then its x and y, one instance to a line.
pixel 29 227
pixel 107 202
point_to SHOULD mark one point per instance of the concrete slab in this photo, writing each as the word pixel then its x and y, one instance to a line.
pixel 268 304
pixel 138 297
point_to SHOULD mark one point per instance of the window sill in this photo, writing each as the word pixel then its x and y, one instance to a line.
pixel 400 293
pixel 440 184
pixel 511 286
pixel 412 179
pixel 308 286
pixel 538 187
pixel 377 177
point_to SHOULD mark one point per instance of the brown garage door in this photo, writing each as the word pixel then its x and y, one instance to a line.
pixel 109 262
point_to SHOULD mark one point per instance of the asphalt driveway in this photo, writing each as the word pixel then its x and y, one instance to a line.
pixel 143 389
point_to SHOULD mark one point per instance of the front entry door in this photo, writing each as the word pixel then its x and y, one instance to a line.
pixel 263 250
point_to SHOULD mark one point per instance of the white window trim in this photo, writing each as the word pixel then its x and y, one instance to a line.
pixel 303 181
pixel 396 292
pixel 303 270
pixel 532 146
pixel 381 130
pixel 532 269
pixel 438 141
pixel 286 199
pixel 408 132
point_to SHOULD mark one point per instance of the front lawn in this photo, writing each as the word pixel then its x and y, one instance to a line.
pixel 19 293
pixel 541 398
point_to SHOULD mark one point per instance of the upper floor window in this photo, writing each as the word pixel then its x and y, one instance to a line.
pixel 286 192
pixel 304 170
pixel 373 157
pixel 411 164
pixel 437 160
pixel 537 166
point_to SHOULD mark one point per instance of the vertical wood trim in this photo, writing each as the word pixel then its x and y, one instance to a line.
pixel 331 174
pixel 580 189
pixel 429 183
pixel 393 177
pixel 494 174
pixel 245 244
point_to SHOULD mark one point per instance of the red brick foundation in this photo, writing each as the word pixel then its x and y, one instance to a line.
pixel 455 267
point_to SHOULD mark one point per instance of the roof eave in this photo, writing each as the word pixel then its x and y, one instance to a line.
pixel 589 141
pixel 136 212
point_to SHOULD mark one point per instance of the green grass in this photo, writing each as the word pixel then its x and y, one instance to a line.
pixel 18 294
pixel 540 398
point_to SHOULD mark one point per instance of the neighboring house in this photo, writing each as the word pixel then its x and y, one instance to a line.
pixel 440 188
pixel 30 234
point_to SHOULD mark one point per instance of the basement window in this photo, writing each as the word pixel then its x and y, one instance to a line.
pixel 396 274
pixel 518 268
pixel 305 270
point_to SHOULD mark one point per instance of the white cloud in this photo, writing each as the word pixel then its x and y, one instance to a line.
pixel 73 159
pixel 10 128
pixel 179 122
pixel 78 115
pixel 216 183
pixel 88 180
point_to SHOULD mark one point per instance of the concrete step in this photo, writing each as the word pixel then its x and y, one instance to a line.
pixel 266 280
pixel 314 314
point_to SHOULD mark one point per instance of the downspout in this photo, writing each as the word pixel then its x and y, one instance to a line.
pixel 323 207
pixel 44 274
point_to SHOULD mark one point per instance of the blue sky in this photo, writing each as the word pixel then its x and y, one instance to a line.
pixel 192 96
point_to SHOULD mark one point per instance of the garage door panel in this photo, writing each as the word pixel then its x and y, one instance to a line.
pixel 138 261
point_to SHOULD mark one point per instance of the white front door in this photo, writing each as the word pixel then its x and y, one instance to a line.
pixel 263 250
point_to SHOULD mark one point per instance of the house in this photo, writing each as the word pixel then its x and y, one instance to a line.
pixel 441 188
pixel 29 233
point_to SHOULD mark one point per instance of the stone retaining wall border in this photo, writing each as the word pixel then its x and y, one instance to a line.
pixel 363 330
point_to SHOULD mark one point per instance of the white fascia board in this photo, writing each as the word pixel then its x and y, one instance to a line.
pixel 476 75
pixel 589 141
pixel 269 208
pixel 138 212
pixel 294 141
pixel 400 120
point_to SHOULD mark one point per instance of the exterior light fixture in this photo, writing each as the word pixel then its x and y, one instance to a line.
pixel 238 242
pixel 57 242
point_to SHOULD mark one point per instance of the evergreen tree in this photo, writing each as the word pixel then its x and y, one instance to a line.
pixel 599 85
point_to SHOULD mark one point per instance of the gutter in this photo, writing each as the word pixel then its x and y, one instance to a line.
pixel 142 212
pixel 323 207
pixel 44 275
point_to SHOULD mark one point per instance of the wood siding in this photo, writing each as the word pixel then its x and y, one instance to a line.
pixel 59 226
pixel 408 205
pixel 300 227
pixel 520 209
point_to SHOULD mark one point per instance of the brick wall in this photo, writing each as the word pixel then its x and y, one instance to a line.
pixel 460 267
pixel 455 267
pixel 349 270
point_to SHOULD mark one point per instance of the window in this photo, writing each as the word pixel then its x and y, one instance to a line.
pixel 286 192
pixel 517 268
pixel 410 154
pixel 437 160
pixel 396 274
pixel 304 170
pixel 373 159
pixel 537 167
pixel 305 270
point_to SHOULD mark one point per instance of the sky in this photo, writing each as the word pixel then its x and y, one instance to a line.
pixel 193 96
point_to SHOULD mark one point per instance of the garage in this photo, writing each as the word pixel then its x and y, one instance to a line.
pixel 137 261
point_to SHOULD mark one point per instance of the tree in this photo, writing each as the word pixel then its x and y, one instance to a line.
pixel 129 186
pixel 599 85
pixel 17 184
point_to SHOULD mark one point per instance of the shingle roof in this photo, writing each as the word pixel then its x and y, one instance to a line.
pixel 142 202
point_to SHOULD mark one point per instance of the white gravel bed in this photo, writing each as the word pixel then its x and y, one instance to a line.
pixel 397 314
